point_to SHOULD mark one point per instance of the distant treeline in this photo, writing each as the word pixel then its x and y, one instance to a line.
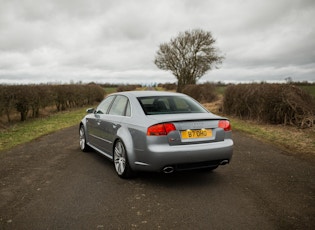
pixel 219 83
pixel 27 100
pixel 290 103
pixel 270 103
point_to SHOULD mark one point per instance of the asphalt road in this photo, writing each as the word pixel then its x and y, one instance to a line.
pixel 50 184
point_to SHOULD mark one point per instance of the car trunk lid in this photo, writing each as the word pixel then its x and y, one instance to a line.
pixel 192 128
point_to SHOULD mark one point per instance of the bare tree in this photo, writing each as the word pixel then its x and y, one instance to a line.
pixel 188 56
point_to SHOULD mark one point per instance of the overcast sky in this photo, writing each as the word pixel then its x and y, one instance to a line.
pixel 115 41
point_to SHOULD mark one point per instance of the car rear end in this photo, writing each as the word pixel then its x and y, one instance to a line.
pixel 183 143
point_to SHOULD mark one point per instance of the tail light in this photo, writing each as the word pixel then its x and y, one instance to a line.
pixel 225 124
pixel 160 129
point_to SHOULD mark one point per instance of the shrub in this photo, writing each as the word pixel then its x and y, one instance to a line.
pixel 22 103
pixel 122 88
pixel 202 93
pixel 168 86
pixel 271 103
pixel 7 100
pixel 26 98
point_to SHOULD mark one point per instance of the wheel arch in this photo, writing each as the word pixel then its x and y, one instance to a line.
pixel 81 124
pixel 127 141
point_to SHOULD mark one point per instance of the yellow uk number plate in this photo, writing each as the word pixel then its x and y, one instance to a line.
pixel 196 133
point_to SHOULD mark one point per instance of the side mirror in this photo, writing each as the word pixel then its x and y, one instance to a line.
pixel 90 110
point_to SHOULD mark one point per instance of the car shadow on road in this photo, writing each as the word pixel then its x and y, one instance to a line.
pixel 181 179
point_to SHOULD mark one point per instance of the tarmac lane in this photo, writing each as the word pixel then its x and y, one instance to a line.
pixel 50 184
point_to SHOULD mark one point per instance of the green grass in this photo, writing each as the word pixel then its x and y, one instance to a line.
pixel 23 132
pixel 252 129
pixel 109 90
pixel 220 90
pixel 310 89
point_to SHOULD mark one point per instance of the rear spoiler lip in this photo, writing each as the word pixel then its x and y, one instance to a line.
pixel 161 118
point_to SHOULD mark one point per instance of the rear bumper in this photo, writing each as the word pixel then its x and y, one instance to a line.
pixel 182 157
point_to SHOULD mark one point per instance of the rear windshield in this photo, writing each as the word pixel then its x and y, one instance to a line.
pixel 169 105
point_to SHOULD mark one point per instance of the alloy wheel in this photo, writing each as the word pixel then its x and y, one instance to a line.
pixel 120 158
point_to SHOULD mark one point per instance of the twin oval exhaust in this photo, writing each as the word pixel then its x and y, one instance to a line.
pixel 171 169
pixel 168 169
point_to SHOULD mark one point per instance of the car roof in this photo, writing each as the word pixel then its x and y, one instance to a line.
pixel 149 93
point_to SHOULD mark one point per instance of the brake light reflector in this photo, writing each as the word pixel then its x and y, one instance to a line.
pixel 160 129
pixel 225 124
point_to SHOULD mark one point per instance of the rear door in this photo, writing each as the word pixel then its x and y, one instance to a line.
pixel 110 122
pixel 93 122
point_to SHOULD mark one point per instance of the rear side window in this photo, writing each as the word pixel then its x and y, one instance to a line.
pixel 169 105
pixel 119 106
pixel 128 110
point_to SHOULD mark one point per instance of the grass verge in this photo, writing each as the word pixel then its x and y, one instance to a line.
pixel 289 138
pixel 20 133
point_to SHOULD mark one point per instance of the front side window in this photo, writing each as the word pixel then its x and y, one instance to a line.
pixel 170 105
pixel 104 105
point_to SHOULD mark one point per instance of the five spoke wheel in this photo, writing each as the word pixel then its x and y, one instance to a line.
pixel 83 146
pixel 121 161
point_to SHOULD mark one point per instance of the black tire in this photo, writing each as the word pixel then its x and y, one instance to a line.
pixel 121 163
pixel 83 145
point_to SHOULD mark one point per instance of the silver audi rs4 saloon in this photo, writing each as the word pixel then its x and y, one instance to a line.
pixel 156 131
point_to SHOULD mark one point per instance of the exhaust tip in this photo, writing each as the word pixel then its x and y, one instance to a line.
pixel 168 169
pixel 224 162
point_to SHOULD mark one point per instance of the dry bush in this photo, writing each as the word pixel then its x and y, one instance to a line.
pixel 26 99
pixel 123 88
pixel 271 103
pixel 72 96
pixel 168 86
pixel 202 93
pixel 7 101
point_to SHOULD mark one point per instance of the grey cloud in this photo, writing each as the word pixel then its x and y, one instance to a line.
pixel 113 39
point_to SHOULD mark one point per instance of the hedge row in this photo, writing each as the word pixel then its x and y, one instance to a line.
pixel 202 93
pixel 168 86
pixel 122 88
pixel 27 100
pixel 271 103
